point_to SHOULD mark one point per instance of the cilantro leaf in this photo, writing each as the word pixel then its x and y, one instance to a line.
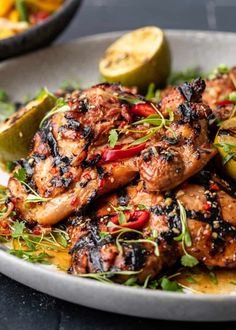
pixel 188 261
pixel 18 229
pixel 168 285
pixel 20 175
pixel 150 92
pixel 121 218
pixel 130 100
pixel 113 137
pixel 213 278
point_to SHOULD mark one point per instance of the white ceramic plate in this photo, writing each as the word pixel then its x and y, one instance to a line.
pixel 79 60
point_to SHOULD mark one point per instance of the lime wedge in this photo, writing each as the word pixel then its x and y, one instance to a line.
pixel 137 59
pixel 18 130
pixel 225 141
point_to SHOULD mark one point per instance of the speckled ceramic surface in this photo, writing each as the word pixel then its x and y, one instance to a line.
pixel 40 35
pixel 79 60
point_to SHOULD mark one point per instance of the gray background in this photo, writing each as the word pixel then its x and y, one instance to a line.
pixel 23 308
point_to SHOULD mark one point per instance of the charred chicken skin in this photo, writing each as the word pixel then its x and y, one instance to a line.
pixel 71 162
pixel 210 205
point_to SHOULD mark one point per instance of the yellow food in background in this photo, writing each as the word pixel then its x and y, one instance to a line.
pixel 5 6
pixel 30 11
pixel 14 16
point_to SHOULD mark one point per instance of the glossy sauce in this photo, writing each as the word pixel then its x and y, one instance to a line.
pixel 224 281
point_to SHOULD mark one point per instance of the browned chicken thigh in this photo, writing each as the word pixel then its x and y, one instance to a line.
pixel 210 207
pixel 217 92
pixel 71 162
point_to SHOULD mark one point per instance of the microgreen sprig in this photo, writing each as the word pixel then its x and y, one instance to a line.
pixel 61 106
pixel 187 260
pixel 34 197
pixel 156 121
pixel 35 248
pixel 230 149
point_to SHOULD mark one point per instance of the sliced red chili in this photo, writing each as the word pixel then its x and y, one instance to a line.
pixel 137 220
pixel 207 206
pixel 38 17
pixel 118 154
pixel 214 186
pixel 143 109
pixel 224 102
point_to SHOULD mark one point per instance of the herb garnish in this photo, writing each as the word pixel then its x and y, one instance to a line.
pixel 221 69
pixel 61 106
pixel 157 122
pixel 186 260
pixel 229 148
pixel 69 85
pixel 34 197
pixel 35 248
pixel 179 77
pixel 153 94
pixel 131 100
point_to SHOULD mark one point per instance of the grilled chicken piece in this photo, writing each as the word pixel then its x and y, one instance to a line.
pixel 210 207
pixel 67 166
pixel 216 92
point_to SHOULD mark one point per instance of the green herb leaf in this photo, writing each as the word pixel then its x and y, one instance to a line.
pixel 130 100
pixel 113 138
pixel 213 277
pixel 228 157
pixel 232 97
pixel 22 10
pixel 179 77
pixel 150 92
pixel 190 279
pixel 188 261
pixel 18 229
pixel 3 96
pixel 70 85
pixel 121 218
pixel 142 207
pixel 20 175
pixel 10 166
pixel 168 285
pixel 132 281
pixel 61 106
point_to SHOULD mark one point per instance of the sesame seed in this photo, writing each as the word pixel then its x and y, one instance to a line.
pixel 214 235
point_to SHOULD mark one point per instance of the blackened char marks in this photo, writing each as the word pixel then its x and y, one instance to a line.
pixel 192 92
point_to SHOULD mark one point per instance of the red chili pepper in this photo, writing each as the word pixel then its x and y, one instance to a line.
pixel 102 183
pixel 214 186
pixel 36 231
pixel 38 17
pixel 137 220
pixel 75 201
pixel 118 154
pixel 70 103
pixel 4 224
pixel 207 206
pixel 224 102
pixel 143 109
